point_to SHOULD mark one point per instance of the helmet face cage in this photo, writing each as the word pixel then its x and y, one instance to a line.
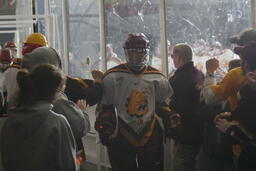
pixel 136 49
pixel 136 57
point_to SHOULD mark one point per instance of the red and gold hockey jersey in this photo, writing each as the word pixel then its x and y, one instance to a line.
pixel 134 96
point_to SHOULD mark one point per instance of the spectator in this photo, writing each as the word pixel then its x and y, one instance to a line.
pixel 78 120
pixel 228 88
pixel 111 58
pixel 33 41
pixel 234 64
pixel 34 137
pixel 186 83
pixel 240 124
pixel 10 86
pixel 12 47
pixel 5 61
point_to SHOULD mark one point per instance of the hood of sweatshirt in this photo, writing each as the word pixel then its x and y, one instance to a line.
pixel 41 55
pixel 25 121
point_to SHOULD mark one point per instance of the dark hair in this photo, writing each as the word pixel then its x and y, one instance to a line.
pixel 248 54
pixel 234 64
pixel 41 84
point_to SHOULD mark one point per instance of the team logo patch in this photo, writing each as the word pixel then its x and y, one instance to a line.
pixel 137 103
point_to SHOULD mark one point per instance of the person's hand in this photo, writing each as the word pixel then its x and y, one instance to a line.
pixel 176 129
pixel 175 120
pixel 80 157
pixel 224 115
pixel 212 65
pixel 82 104
pixel 223 124
pixel 97 76
pixel 252 77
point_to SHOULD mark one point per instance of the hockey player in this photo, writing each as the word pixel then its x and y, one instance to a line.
pixel 134 94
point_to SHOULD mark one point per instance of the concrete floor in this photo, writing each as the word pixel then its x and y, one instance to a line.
pixel 88 167
pixel 92 167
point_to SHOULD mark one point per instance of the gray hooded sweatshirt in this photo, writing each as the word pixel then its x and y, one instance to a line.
pixel 78 120
pixel 41 55
pixel 37 139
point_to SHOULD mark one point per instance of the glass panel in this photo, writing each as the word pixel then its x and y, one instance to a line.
pixel 14 26
pixel 84 37
pixel 207 25
pixel 55 7
pixel 9 7
pixel 130 16
pixel 40 9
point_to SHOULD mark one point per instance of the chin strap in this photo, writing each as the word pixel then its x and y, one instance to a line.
pixel 136 69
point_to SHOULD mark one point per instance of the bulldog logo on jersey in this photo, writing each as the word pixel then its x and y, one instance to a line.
pixel 137 103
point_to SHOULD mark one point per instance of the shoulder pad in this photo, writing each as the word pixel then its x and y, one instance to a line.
pixel 152 70
pixel 118 68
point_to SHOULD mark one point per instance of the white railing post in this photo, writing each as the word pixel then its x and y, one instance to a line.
pixel 65 20
pixel 163 40
pixel 102 35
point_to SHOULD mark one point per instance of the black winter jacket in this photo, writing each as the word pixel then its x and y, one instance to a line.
pixel 186 84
